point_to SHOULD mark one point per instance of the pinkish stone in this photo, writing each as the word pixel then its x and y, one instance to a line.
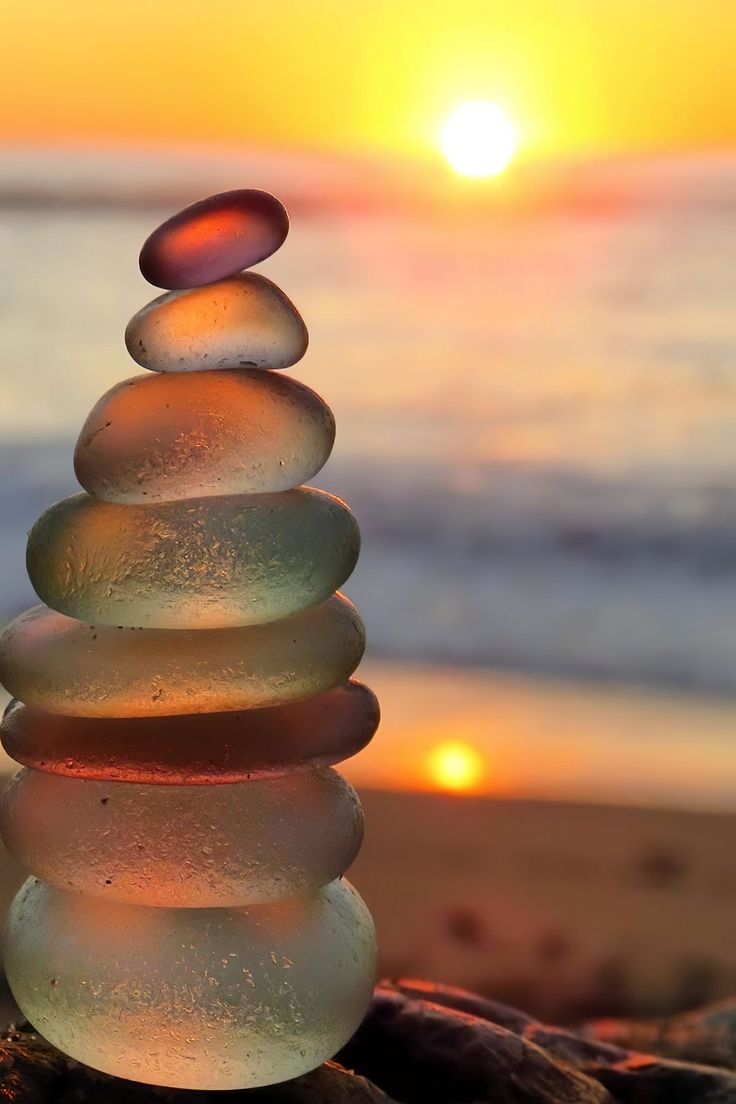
pixel 195 749
pixel 214 238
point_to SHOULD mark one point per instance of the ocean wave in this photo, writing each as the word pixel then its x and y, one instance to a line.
pixel 537 570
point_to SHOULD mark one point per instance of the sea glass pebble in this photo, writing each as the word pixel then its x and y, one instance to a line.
pixel 66 666
pixel 199 563
pixel 183 846
pixel 214 238
pixel 243 322
pixel 195 749
pixel 161 437
pixel 196 998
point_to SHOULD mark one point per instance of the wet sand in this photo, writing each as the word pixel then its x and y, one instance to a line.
pixel 565 910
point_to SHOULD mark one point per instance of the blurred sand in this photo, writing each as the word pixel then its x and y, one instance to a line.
pixel 564 910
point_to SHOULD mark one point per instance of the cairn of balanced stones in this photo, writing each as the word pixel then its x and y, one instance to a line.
pixel 182 694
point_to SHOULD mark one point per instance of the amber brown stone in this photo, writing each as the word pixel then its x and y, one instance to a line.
pixel 165 436
pixel 183 846
pixel 243 322
pixel 214 238
pixel 197 748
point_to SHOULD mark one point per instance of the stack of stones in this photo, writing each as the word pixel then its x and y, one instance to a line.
pixel 182 694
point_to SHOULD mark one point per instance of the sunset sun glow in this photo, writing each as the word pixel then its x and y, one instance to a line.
pixel 455 765
pixel 479 139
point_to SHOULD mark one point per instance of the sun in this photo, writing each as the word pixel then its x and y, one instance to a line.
pixel 455 765
pixel 479 139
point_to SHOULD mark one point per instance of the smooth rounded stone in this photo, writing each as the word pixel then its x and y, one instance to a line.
pixel 183 846
pixel 193 998
pixel 200 749
pixel 214 238
pixel 243 322
pixel 161 437
pixel 66 666
pixel 200 563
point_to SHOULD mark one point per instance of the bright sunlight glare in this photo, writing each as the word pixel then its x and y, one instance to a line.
pixel 479 139
pixel 455 765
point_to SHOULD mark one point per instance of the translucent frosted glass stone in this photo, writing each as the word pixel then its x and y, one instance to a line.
pixel 204 562
pixel 68 666
pixel 243 322
pixel 213 238
pixel 195 748
pixel 161 437
pixel 193 998
pixel 184 846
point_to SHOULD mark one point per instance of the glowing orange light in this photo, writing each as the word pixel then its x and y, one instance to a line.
pixel 479 139
pixel 455 765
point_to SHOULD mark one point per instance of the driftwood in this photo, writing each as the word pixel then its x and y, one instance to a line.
pixel 427 1044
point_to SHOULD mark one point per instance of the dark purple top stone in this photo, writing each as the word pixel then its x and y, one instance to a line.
pixel 214 238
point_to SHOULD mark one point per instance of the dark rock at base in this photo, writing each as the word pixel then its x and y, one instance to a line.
pixel 567 1046
pixel 30 1070
pixel 330 1083
pixel 424 1053
pixel 642 1080
pixel 403 1022
pixel 460 1000
pixel 428 1044
pixel 707 1035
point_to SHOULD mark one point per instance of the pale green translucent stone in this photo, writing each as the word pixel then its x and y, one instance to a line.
pixel 184 846
pixel 67 666
pixel 194 998
pixel 202 563
pixel 160 437
pixel 242 322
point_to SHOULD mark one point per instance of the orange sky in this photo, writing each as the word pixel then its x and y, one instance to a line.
pixel 578 75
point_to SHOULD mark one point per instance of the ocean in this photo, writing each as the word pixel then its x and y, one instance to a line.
pixel 536 417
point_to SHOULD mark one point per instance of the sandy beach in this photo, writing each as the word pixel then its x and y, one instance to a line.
pixel 564 910
pixel 538 895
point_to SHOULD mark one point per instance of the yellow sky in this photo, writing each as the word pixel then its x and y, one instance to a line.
pixel 580 75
